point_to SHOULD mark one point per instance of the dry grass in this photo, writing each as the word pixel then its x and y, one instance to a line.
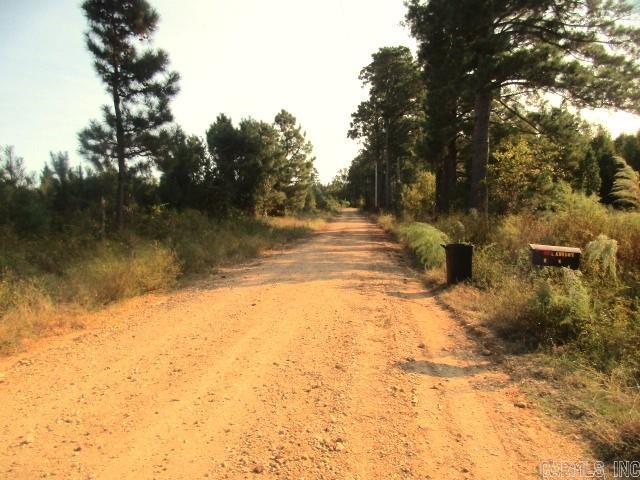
pixel 45 287
pixel 26 310
pixel 112 275
pixel 605 411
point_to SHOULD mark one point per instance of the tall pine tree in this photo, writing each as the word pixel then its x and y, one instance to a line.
pixel 511 51
pixel 389 121
pixel 138 81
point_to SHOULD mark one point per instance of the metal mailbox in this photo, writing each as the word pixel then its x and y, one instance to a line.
pixel 554 256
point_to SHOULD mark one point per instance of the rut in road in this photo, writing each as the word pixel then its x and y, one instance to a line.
pixel 326 360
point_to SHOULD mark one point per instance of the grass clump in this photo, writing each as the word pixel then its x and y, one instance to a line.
pixel 112 275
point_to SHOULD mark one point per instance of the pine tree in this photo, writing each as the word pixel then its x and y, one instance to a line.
pixel 295 175
pixel 628 147
pixel 140 86
pixel 388 122
pixel 589 180
pixel 512 51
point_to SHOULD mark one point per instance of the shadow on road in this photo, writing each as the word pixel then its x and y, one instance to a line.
pixel 443 370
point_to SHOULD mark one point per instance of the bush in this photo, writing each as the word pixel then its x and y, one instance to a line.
pixel 388 223
pixel 600 259
pixel 26 309
pixel 562 306
pixel 426 242
pixel 492 266
pixel 418 200
pixel 551 308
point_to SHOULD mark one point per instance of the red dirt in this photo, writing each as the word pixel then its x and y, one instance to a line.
pixel 324 360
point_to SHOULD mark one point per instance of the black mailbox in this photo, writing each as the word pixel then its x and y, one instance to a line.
pixel 553 256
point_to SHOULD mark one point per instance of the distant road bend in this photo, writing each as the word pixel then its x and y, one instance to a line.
pixel 326 360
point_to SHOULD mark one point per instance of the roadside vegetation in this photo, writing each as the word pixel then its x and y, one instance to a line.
pixel 151 205
pixel 571 337
pixel 48 283
pixel 468 142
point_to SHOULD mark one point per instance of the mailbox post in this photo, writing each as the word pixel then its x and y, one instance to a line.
pixel 554 256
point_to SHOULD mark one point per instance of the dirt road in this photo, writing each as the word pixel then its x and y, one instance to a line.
pixel 324 360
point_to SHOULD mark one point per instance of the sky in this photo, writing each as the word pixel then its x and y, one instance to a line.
pixel 238 57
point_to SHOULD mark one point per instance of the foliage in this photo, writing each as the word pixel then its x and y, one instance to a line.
pixel 296 174
pixel 508 54
pixel 517 172
pixel 46 282
pixel 137 80
pixel 426 242
pixel 261 168
pixel 418 199
pixel 628 147
pixel 560 307
pixel 600 259
pixel 588 178
pixel 111 275
pixel 389 121
pixel 186 180
pixel 625 192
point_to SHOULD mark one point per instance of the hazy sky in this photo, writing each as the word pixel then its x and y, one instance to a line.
pixel 239 57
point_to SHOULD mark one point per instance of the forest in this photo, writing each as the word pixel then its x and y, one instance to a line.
pixel 479 138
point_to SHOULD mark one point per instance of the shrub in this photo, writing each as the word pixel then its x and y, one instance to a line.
pixel 625 193
pixel 426 242
pixel 561 306
pixel 26 310
pixel 492 266
pixel 600 259
pixel 580 220
pixel 388 223
pixel 470 227
pixel 551 307
pixel 418 199
pixel 625 228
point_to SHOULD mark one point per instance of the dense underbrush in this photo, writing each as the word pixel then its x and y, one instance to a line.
pixel 44 282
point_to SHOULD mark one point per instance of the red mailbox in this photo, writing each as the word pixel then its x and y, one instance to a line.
pixel 554 256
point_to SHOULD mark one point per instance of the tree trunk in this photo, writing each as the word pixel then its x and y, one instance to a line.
pixel 442 200
pixel 446 154
pixel 450 173
pixel 387 170
pixel 479 196
pixel 122 167
pixel 375 187
pixel 397 191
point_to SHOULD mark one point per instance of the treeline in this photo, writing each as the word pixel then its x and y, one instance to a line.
pixel 255 168
pixel 139 160
pixel 484 116
pixel 152 203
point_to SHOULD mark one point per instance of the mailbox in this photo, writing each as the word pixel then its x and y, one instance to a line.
pixel 554 256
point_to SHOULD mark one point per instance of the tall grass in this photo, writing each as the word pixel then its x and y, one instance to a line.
pixel 44 281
